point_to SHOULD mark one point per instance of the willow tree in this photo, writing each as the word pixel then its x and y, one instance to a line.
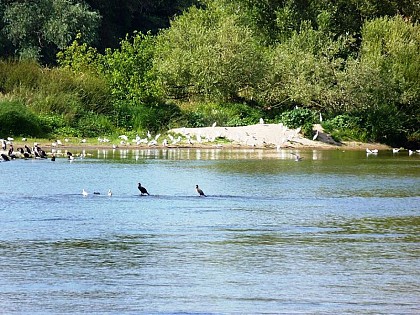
pixel 384 83
pixel 304 68
pixel 39 28
pixel 208 54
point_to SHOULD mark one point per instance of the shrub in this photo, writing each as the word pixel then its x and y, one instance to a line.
pixel 16 75
pixel 298 117
pixel 154 118
pixel 345 127
pixel 17 120
pixel 91 125
pixel 385 124
pixel 224 114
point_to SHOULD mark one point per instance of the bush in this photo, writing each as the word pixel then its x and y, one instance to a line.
pixel 154 118
pixel 344 121
pixel 385 124
pixel 298 117
pixel 17 75
pixel 91 125
pixel 345 127
pixel 225 114
pixel 17 120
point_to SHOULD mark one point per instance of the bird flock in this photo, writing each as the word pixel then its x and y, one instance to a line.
pixel 143 191
pixel 9 152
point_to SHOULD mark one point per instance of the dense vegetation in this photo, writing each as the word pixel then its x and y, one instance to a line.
pixel 73 70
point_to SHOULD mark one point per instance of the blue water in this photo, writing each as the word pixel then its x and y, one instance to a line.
pixel 337 233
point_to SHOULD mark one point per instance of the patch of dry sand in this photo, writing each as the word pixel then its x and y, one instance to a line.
pixel 271 135
pixel 259 135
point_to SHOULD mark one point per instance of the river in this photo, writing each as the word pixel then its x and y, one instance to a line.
pixel 336 233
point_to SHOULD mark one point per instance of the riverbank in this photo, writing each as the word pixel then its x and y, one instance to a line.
pixel 259 136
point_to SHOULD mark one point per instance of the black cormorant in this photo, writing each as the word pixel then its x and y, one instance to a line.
pixel 200 192
pixel 142 190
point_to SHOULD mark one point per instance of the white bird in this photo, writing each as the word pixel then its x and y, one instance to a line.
pixel 149 135
pixel 84 193
pixel 261 121
pixel 315 136
pixel 320 117
pixel 374 151
pixel 59 142
pixel 395 150
pixel 410 152
pixel 109 192
pixel 124 137
pixel 24 139
pixel 165 142
pixel 214 124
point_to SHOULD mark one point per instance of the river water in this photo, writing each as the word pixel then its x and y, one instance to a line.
pixel 336 233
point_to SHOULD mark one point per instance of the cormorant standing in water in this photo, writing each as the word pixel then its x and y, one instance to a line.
pixel 5 157
pixel 142 190
pixel 200 192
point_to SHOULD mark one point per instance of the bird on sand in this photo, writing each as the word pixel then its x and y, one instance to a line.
pixel 109 192
pixel 142 190
pixel 199 191
pixel 84 193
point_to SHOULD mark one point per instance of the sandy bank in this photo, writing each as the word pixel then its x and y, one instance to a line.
pixel 275 136
pixel 262 136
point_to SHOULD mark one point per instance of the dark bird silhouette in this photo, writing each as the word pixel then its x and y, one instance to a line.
pixel 28 150
pixel 53 157
pixel 142 190
pixel 11 153
pixel 43 154
pixel 25 154
pixel 5 157
pixel 200 192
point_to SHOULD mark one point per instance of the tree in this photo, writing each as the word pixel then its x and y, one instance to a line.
pixel 210 55
pixel 304 68
pixel 121 17
pixel 383 84
pixel 39 28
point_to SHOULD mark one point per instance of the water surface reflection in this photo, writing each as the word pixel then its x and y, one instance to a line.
pixel 336 233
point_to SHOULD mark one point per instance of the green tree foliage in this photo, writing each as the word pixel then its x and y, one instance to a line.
pixel 38 28
pixel 121 17
pixel 16 119
pixel 383 85
pixel 128 71
pixel 304 68
pixel 208 55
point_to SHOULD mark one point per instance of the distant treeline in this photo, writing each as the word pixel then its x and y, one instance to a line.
pixel 100 67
